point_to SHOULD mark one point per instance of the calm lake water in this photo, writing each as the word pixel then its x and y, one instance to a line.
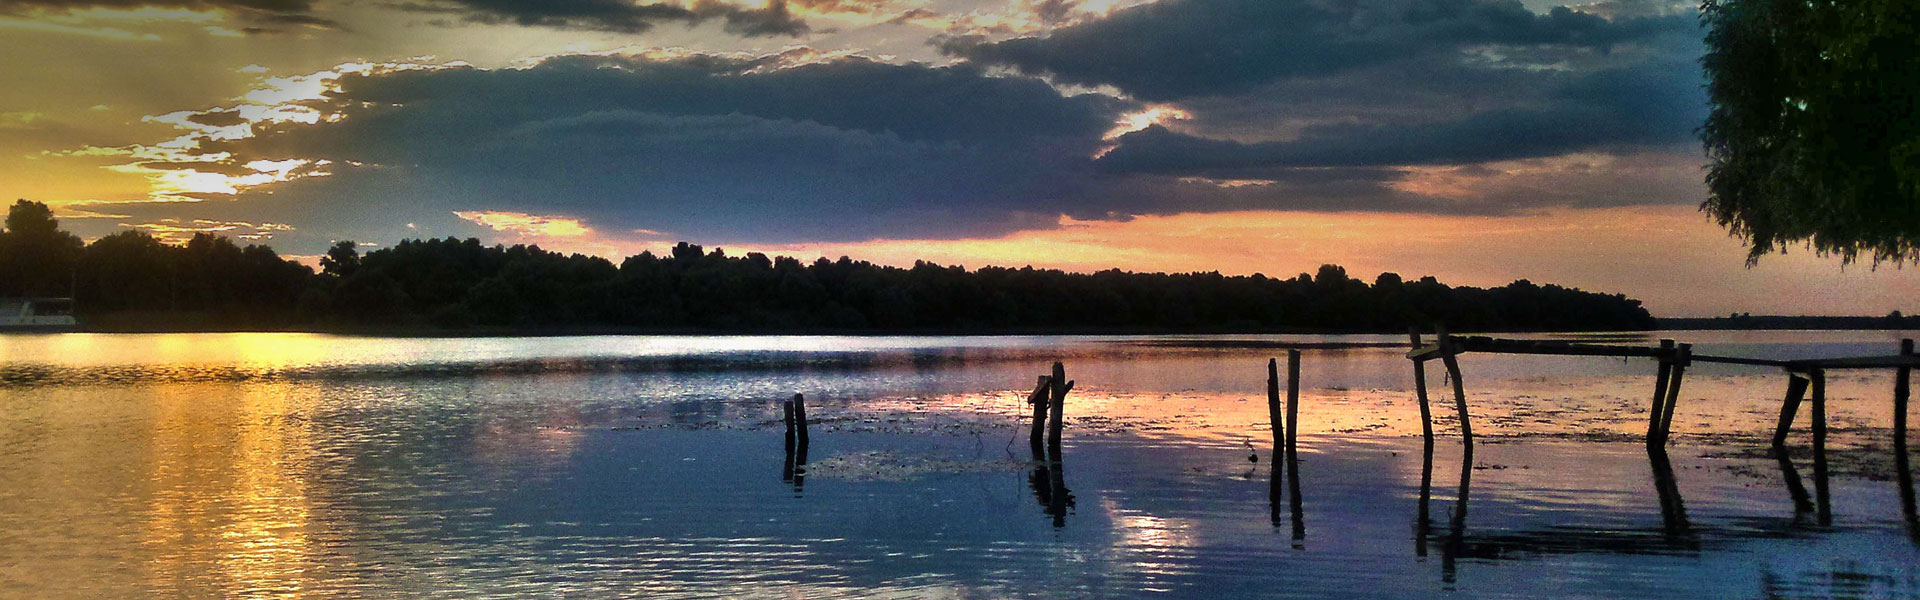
pixel 295 465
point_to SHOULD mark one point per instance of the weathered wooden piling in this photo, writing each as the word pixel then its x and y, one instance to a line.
pixel 1293 406
pixel 1902 387
pixel 800 419
pixel 1660 380
pixel 1420 387
pixel 786 409
pixel 1274 415
pixel 1056 403
pixel 1822 500
pixel 1038 400
pixel 1789 406
pixel 1682 358
pixel 1447 351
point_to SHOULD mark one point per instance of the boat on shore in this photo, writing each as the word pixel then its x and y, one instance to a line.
pixel 18 315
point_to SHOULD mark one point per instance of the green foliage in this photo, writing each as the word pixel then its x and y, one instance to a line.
pixel 1814 134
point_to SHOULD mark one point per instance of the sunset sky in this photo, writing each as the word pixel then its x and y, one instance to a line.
pixel 1480 141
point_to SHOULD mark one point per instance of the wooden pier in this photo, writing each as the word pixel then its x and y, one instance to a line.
pixel 1673 360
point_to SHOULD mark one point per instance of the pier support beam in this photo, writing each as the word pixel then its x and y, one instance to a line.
pixel 1902 387
pixel 1822 500
pixel 1682 358
pixel 1447 352
pixel 1660 381
pixel 1789 407
pixel 1420 387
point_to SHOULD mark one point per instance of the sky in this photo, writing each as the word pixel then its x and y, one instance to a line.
pixel 1479 141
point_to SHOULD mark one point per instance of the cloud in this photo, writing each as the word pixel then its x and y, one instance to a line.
pixel 622 16
pixel 718 147
pixel 1269 86
pixel 267 16
pixel 276 17
pixel 1656 104
pixel 1429 106
pixel 1177 49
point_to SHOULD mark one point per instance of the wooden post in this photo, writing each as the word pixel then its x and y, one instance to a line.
pixel 1293 406
pixel 1682 357
pixel 1660 392
pixel 1038 400
pixel 1459 389
pixel 1056 405
pixel 1901 389
pixel 786 471
pixel 1796 391
pixel 786 415
pixel 800 418
pixel 1821 498
pixel 1420 387
pixel 800 449
pixel 1273 412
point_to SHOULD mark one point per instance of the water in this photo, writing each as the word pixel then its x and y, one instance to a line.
pixel 291 465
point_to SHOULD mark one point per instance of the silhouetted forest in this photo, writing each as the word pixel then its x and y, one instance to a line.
pixel 460 284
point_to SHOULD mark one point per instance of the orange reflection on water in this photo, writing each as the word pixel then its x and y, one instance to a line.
pixel 230 511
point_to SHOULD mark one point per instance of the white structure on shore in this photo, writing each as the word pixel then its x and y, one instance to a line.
pixel 36 314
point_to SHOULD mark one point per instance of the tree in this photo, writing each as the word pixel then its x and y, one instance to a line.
pixel 341 260
pixel 36 257
pixel 1814 132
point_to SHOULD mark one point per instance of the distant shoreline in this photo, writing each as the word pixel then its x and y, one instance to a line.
pixel 206 324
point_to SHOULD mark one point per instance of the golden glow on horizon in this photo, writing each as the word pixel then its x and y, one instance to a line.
pixel 523 224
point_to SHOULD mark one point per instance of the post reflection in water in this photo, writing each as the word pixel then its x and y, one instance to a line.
pixel 1422 521
pixel 1289 469
pixel 1802 501
pixel 1673 510
pixel 1275 491
pixel 1677 532
pixel 1293 498
pixel 1049 482
pixel 1456 543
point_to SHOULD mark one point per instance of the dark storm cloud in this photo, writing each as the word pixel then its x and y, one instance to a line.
pixel 623 16
pixel 1177 49
pixel 270 15
pixel 1275 85
pixel 731 149
pixel 1653 104
pixel 1381 105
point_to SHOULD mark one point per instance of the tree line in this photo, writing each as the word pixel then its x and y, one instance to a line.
pixel 461 284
